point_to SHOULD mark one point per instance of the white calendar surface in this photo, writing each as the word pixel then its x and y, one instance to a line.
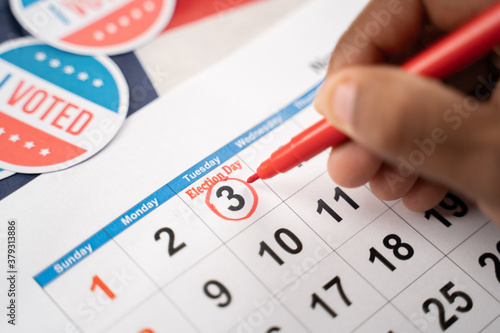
pixel 161 233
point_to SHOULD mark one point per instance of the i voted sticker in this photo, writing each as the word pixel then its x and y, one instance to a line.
pixel 94 26
pixel 56 108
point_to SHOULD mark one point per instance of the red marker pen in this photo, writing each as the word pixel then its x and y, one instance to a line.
pixel 462 47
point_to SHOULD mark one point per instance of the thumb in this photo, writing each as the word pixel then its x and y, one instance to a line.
pixel 417 125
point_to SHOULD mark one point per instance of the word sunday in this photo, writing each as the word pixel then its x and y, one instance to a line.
pixel 73 258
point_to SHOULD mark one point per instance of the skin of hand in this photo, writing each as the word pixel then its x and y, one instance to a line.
pixel 412 137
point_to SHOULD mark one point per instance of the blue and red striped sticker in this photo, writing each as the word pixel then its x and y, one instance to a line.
pixel 56 108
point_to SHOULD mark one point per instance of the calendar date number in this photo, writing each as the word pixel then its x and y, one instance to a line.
pixel 451 203
pixel 324 207
pixel 318 301
pixel 400 250
pixel 232 199
pixel 494 258
pixel 447 321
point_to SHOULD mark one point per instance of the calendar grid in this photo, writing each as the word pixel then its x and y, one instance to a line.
pixel 75 325
pixel 264 285
pixel 284 201
pixel 336 248
pixel 491 322
pixel 388 301
pixel 150 296
pixel 446 256
pixel 224 244
pixel 333 251
pixel 465 272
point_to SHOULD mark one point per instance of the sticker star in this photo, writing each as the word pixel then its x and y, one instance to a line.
pixel 54 63
pixel 136 13
pixel 14 138
pixel 44 152
pixel 111 28
pixel 82 76
pixel 2 130
pixel 99 35
pixel 124 21
pixel 40 56
pixel 68 69
pixel 29 145
pixel 97 83
pixel 149 6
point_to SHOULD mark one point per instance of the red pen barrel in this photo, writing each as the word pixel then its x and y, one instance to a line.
pixel 301 148
pixel 460 48
pixel 316 139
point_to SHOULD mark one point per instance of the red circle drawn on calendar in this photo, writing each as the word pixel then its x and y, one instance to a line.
pixel 94 27
pixel 214 209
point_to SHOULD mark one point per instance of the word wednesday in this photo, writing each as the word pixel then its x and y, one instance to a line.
pixel 195 191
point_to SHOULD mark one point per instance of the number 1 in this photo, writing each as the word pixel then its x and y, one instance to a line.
pixel 97 282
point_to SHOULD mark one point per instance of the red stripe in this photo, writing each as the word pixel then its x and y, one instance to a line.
pixel 123 34
pixel 16 154
pixel 187 11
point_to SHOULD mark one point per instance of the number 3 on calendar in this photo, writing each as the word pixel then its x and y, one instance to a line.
pixel 232 199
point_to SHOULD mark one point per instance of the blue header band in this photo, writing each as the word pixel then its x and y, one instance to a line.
pixel 72 258
pixel 140 210
pixel 201 169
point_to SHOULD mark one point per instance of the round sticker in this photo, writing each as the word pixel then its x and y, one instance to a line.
pixel 56 108
pixel 94 26
pixel 232 199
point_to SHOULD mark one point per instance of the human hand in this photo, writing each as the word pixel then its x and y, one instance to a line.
pixel 413 138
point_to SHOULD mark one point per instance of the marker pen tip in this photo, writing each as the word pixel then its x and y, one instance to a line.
pixel 253 178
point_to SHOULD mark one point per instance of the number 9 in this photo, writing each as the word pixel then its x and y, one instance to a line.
pixel 221 290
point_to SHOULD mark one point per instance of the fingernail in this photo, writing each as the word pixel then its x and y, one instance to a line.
pixel 344 102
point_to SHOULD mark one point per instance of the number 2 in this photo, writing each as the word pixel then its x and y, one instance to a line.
pixel 494 258
pixel 172 249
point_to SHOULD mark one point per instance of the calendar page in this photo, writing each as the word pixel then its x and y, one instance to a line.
pixel 161 233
